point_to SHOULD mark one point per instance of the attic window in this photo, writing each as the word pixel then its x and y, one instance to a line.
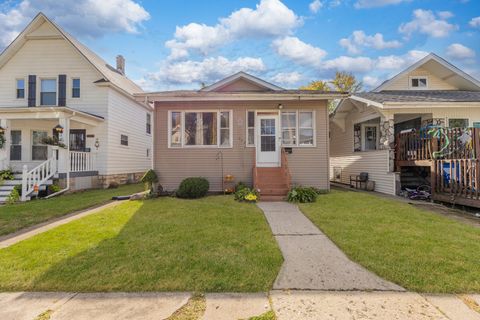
pixel 418 82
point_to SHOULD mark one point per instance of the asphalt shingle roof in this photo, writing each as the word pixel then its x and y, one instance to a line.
pixel 421 96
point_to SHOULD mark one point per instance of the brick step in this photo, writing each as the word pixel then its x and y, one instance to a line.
pixel 273 191
pixel 281 185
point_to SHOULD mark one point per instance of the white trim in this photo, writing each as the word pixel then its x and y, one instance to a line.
pixel 70 89
pixel 278 145
pixel 236 96
pixel 182 129
pixel 362 136
pixel 240 75
pixel 367 102
pixel 367 118
pixel 297 128
pixel 247 127
pixel 411 78
pixel 421 62
pixel 39 91
pixel 25 82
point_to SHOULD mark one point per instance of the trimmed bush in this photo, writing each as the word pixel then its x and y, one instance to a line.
pixel 302 194
pixel 192 188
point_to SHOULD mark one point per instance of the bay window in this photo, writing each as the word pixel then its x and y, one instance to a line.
pixel 200 129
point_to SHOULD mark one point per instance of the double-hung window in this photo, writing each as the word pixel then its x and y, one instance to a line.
pixel 76 88
pixel 48 92
pixel 20 89
pixel 124 140
pixel 39 149
pixel 298 128
pixel 200 129
pixel 16 145
pixel 250 128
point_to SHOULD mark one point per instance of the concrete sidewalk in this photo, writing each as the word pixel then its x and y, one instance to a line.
pixel 312 261
pixel 287 305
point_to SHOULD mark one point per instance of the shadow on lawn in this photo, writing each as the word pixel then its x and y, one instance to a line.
pixel 167 247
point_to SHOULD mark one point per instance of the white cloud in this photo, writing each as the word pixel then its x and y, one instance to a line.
pixel 445 14
pixel 344 63
pixel 205 71
pixel 315 6
pixel 335 3
pixel 270 18
pixel 359 39
pixel 425 21
pixel 394 62
pixel 459 51
pixel 475 22
pixel 80 17
pixel 371 82
pixel 361 4
pixel 287 78
pixel 299 51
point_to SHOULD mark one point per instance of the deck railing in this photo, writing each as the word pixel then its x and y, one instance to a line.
pixel 82 161
pixel 438 143
pixel 33 179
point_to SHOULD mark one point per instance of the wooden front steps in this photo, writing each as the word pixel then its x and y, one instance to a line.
pixel 271 183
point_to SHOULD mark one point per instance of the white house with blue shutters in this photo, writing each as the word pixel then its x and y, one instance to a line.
pixel 67 114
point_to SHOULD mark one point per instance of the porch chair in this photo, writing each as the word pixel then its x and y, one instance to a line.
pixel 359 179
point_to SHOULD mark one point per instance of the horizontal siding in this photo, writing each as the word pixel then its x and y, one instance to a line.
pixel 308 167
pixel 434 83
pixel 127 117
pixel 375 163
pixel 472 113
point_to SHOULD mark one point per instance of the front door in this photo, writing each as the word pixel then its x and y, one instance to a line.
pixel 78 140
pixel 268 138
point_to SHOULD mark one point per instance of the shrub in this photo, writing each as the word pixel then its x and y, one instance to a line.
pixel 246 194
pixel 192 188
pixel 13 197
pixel 6 175
pixel 240 185
pixel 113 185
pixel 149 178
pixel 54 188
pixel 18 187
pixel 302 194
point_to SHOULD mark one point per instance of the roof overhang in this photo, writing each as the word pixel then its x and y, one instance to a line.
pixel 237 96
pixel 44 113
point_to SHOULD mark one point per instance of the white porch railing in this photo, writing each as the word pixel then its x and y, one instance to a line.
pixel 37 176
pixel 82 161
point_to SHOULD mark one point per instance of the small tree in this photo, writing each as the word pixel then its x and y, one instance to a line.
pixel 149 179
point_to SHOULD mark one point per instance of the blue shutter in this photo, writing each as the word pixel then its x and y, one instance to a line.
pixel 32 90
pixel 62 90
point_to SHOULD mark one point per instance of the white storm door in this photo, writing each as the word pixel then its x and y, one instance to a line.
pixel 268 141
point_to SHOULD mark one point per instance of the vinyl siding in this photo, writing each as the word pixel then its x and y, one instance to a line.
pixel 308 166
pixel 129 118
pixel 433 82
pixel 352 163
pixel 453 111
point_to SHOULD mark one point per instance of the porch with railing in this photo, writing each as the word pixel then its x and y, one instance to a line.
pixel 453 157
pixel 82 161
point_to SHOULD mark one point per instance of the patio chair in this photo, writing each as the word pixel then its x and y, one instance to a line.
pixel 358 180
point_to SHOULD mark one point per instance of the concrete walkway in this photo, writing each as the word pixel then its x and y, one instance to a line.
pixel 21 235
pixel 312 261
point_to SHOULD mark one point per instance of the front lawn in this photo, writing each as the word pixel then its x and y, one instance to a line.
pixel 419 250
pixel 167 244
pixel 22 215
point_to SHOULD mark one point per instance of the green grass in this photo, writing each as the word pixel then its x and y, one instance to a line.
pixel 22 215
pixel 212 244
pixel 419 250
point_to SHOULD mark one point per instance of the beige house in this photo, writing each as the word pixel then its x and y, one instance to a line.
pixel 52 86
pixel 245 127
pixel 364 127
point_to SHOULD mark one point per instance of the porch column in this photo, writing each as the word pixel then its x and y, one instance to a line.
pixel 5 151
pixel 64 154
pixel 387 138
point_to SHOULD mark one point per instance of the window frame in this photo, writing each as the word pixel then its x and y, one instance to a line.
pixel 362 137
pixel 449 119
pixel 148 123
pixel 182 129
pixel 40 144
pixel 13 145
pixel 79 87
pixel 121 140
pixel 314 124
pixel 40 91
pixel 24 88
pixel 247 128
pixel 411 78
pixel 282 128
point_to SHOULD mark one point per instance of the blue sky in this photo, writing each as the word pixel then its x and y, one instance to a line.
pixel 181 44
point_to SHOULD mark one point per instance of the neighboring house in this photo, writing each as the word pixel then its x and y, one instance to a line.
pixel 245 127
pixel 364 127
pixel 52 86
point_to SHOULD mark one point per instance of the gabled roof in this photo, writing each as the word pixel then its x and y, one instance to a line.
pixel 441 67
pixel 420 96
pixel 261 84
pixel 109 73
